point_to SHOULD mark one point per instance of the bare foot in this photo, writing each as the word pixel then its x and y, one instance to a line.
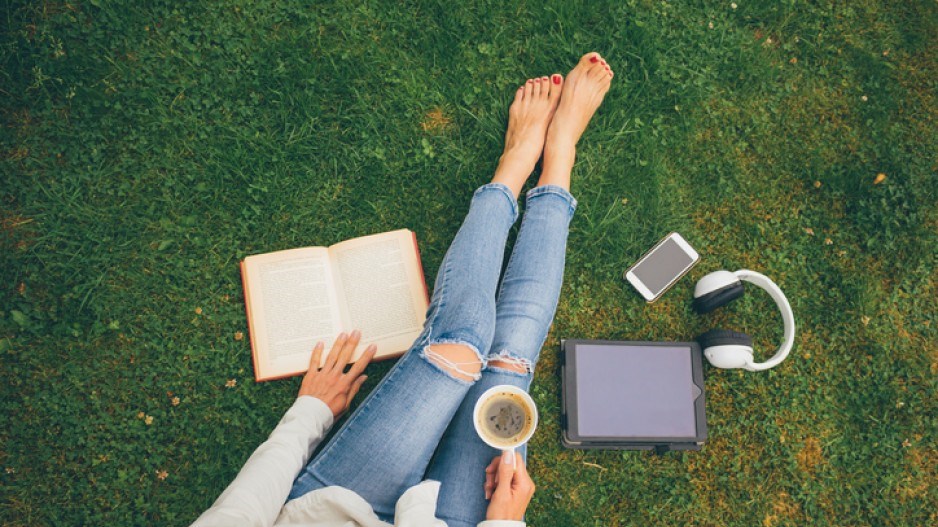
pixel 583 92
pixel 528 117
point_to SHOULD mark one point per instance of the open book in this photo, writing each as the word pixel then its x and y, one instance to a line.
pixel 297 297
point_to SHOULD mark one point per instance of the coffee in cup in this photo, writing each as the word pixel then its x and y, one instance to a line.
pixel 505 417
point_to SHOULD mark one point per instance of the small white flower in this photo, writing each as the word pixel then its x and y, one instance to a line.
pixel 864 98
pixel 710 25
pixel 733 5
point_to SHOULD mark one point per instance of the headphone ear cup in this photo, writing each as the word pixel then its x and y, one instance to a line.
pixel 724 337
pixel 727 349
pixel 714 299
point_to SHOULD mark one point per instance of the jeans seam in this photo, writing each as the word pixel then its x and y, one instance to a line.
pixel 501 283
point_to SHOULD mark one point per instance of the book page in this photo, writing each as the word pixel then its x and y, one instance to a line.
pixel 292 305
pixel 380 284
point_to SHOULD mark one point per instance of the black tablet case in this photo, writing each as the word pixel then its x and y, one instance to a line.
pixel 570 416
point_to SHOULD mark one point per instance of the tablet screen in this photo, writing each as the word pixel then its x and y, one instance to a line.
pixel 635 391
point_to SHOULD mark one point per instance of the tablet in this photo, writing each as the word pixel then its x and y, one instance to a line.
pixel 633 395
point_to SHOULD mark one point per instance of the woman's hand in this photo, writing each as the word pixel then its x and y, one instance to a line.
pixel 510 488
pixel 330 384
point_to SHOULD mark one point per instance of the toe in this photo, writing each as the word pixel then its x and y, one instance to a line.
pixel 545 87
pixel 597 71
pixel 528 89
pixel 537 87
pixel 519 95
pixel 556 86
pixel 605 65
pixel 590 58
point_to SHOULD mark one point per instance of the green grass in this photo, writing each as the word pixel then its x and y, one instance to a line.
pixel 147 147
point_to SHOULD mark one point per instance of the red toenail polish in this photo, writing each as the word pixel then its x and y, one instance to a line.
pixel 594 59
pixel 556 79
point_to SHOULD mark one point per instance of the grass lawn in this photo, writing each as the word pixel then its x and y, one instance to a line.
pixel 147 147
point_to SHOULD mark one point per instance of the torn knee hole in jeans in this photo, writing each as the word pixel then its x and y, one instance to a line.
pixel 507 362
pixel 452 358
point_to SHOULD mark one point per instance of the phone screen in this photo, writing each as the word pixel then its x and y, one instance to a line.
pixel 662 266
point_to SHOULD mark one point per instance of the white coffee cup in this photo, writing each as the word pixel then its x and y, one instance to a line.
pixel 505 418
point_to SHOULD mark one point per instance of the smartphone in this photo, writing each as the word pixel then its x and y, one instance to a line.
pixel 660 267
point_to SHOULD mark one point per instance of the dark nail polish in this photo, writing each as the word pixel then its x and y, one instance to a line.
pixel 594 59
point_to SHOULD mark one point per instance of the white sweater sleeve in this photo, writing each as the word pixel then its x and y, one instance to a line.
pixel 257 494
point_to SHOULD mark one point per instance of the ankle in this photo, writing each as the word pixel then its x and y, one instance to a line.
pixel 557 167
pixel 512 175
pixel 559 154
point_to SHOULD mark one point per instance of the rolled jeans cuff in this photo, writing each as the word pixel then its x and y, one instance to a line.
pixel 556 191
pixel 505 191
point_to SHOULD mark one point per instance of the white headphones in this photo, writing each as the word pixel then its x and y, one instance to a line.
pixel 731 349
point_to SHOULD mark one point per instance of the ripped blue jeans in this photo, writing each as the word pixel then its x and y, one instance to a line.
pixel 417 423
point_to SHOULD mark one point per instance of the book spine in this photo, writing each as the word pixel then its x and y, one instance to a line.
pixel 247 310
pixel 426 289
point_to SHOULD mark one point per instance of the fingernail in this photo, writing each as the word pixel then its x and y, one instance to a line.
pixel 319 345
pixel 508 457
pixel 603 62
pixel 341 336
pixel 594 59
pixel 356 333
pixel 556 79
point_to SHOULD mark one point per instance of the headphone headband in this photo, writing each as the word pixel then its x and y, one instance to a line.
pixel 788 317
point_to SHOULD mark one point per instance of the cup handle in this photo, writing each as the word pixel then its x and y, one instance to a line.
pixel 510 453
